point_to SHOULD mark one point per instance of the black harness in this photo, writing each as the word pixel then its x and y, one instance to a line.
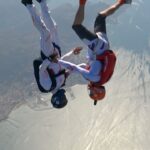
pixel 51 57
pixel 53 78
pixel 51 73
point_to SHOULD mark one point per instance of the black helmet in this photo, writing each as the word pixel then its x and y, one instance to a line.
pixel 59 99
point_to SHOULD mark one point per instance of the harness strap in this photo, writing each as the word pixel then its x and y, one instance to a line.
pixel 51 73
pixel 54 76
pixel 62 72
pixel 56 46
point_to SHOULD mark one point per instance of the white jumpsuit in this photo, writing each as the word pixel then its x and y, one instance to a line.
pixel 47 28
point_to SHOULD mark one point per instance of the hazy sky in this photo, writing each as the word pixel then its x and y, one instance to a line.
pixel 59 2
pixel 54 4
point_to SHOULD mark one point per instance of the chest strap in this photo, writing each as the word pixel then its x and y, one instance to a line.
pixel 54 76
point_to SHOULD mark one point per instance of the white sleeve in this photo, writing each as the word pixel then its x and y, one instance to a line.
pixel 67 55
pixel 92 74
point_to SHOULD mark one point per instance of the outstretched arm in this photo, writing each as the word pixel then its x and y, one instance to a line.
pixel 91 75
pixel 74 51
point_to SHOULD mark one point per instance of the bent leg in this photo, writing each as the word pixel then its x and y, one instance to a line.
pixel 82 32
pixel 100 23
pixel 37 21
pixel 79 17
pixel 46 41
pixel 109 11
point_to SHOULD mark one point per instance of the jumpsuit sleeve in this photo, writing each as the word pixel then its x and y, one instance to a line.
pixel 67 55
pixel 91 75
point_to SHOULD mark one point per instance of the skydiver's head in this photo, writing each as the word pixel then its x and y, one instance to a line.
pixel 96 92
pixel 59 99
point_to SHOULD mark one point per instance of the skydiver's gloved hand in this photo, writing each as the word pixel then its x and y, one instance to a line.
pixel 26 2
pixel 77 50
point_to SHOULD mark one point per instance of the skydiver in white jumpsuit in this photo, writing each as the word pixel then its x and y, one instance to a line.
pixel 49 77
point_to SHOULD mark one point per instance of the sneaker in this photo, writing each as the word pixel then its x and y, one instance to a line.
pixel 125 1
pixel 39 1
pixel 25 2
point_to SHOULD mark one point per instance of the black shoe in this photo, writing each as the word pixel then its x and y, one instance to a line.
pixel 125 1
pixel 25 2
pixel 39 1
pixel 128 1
